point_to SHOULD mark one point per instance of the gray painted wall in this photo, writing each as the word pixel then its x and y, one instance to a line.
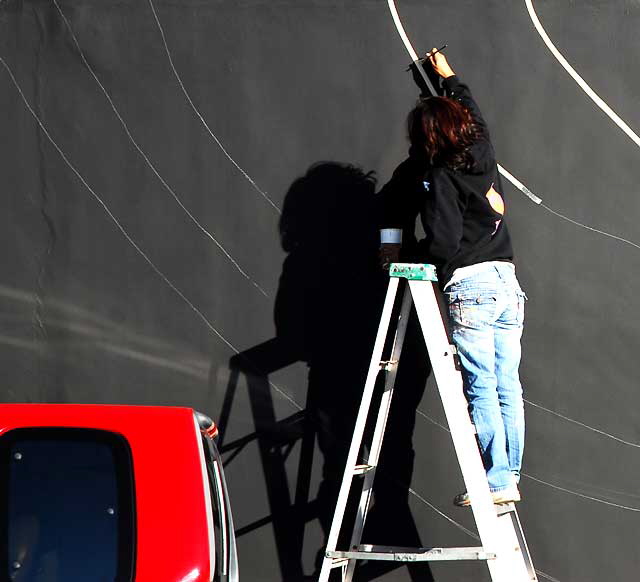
pixel 284 85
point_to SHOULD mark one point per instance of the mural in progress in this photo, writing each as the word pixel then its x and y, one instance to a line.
pixel 190 218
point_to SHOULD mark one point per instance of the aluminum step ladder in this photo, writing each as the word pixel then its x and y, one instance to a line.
pixel 504 548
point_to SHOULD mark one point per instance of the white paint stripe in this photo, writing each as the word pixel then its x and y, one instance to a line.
pixel 146 158
pixel 197 112
pixel 577 78
pixel 517 183
pixel 536 200
pixel 401 31
pixel 414 56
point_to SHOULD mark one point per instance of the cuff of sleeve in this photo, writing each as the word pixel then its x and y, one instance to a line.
pixel 450 82
pixel 391 236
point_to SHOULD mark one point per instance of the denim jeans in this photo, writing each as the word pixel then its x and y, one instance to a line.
pixel 486 312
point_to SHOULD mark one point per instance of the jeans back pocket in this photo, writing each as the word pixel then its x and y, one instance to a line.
pixel 472 309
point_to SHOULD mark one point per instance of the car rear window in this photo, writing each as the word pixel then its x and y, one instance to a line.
pixel 66 506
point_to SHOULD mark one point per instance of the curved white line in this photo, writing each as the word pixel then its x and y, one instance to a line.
pixel 517 183
pixel 464 529
pixel 110 214
pixel 580 494
pixel 586 227
pixel 577 78
pixel 197 112
pixel 583 425
pixel 444 515
pixel 414 56
pixel 568 419
pixel 128 237
pixel 146 158
pixel 401 30
pixel 596 499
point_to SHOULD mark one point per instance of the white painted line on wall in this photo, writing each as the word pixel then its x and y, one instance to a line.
pixel 553 485
pixel 204 123
pixel 401 30
pixel 510 177
pixel 127 236
pixel 465 530
pixel 146 158
pixel 577 78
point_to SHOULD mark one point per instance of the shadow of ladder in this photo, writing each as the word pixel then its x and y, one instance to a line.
pixel 276 439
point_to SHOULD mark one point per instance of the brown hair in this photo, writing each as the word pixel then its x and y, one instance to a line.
pixel 446 130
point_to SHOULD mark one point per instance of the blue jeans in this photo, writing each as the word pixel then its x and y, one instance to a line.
pixel 486 312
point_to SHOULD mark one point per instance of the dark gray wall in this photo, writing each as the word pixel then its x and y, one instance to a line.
pixel 284 85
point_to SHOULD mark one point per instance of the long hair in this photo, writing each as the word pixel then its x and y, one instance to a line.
pixel 446 130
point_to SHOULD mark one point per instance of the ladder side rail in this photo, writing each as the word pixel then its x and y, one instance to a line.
pixel 354 449
pixel 450 387
pixel 380 427
pixel 496 534
pixel 519 539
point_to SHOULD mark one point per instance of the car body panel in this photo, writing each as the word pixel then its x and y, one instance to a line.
pixel 173 528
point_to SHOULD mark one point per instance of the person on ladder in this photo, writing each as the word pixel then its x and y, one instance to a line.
pixel 451 180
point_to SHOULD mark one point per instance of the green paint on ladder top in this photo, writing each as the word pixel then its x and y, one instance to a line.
pixel 413 271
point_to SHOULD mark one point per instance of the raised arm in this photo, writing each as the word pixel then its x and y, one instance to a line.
pixel 454 88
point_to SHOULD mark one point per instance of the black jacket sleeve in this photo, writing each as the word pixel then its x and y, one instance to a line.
pixel 442 218
pixel 456 89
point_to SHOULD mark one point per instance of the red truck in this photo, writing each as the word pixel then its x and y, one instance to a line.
pixel 98 493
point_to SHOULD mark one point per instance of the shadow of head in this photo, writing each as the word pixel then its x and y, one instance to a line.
pixel 328 209
pixel 329 230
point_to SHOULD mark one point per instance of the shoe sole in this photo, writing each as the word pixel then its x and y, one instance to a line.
pixel 496 501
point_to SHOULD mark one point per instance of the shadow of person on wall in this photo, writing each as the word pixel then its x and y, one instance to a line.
pixel 328 303
pixel 328 307
pixel 327 311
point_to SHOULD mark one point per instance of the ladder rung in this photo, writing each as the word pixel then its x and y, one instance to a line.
pixel 398 554
pixel 362 469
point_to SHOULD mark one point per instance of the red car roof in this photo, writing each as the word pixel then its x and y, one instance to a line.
pixel 173 516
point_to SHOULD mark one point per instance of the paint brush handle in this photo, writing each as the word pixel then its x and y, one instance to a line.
pixel 429 55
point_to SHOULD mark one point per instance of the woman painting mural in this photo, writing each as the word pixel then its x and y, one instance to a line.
pixel 451 180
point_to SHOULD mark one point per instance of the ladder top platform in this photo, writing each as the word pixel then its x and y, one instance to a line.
pixel 413 271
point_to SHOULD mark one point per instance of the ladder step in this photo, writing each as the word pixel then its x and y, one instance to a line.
pixel 362 469
pixel 399 554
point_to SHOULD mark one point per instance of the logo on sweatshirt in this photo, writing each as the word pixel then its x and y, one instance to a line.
pixel 495 200
pixel 497 203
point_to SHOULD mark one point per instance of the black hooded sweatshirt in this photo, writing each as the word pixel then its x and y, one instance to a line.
pixel 462 212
